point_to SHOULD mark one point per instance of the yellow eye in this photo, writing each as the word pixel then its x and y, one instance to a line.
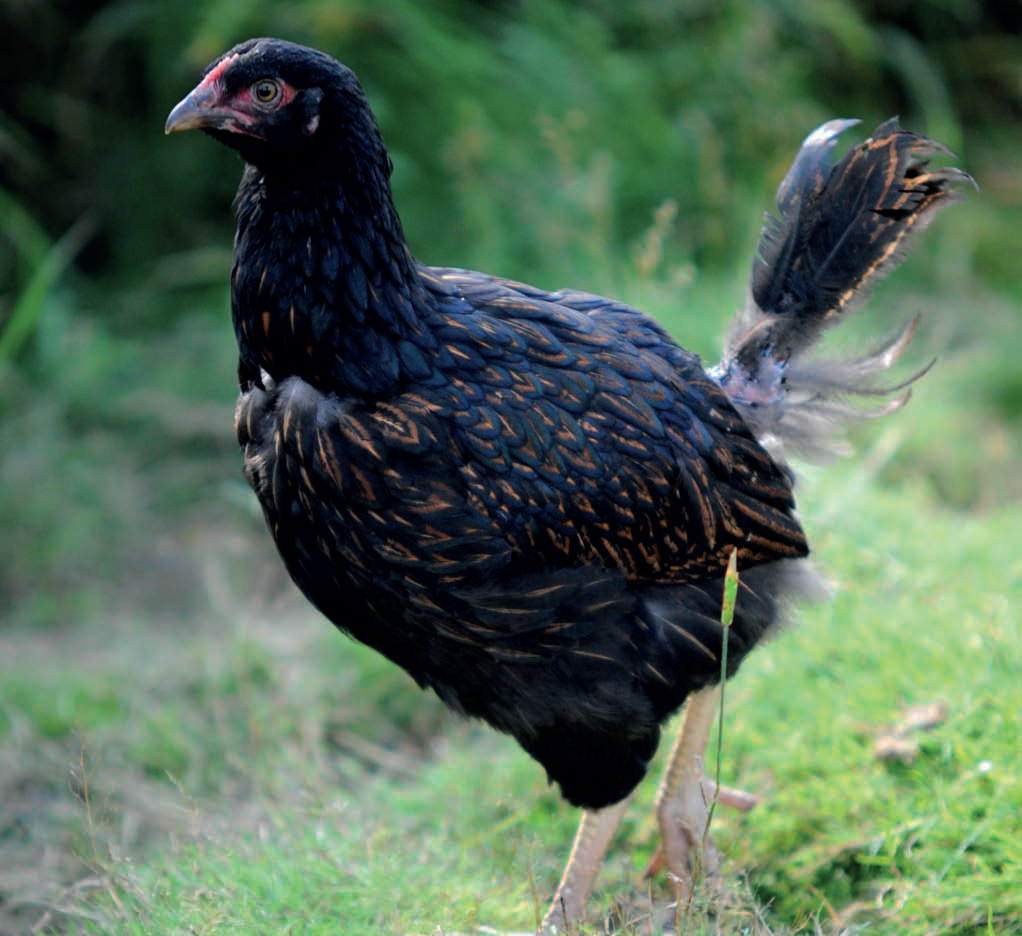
pixel 265 91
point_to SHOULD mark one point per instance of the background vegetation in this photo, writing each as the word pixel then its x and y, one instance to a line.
pixel 185 747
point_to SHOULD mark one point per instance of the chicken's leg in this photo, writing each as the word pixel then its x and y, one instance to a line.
pixel 683 801
pixel 595 830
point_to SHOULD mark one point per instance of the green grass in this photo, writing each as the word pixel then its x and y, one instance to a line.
pixel 284 830
pixel 926 613
pixel 226 763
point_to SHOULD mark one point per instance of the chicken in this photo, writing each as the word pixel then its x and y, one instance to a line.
pixel 528 499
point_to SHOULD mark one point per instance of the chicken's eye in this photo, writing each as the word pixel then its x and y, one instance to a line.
pixel 265 91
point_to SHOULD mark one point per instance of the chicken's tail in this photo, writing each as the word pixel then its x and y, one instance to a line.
pixel 838 229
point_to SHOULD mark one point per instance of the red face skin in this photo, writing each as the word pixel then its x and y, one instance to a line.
pixel 209 105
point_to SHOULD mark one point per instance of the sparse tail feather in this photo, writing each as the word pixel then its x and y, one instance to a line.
pixel 838 229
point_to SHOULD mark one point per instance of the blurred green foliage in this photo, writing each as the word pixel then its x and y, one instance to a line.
pixel 533 132
pixel 626 148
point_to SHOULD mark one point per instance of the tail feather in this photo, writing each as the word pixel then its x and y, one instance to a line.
pixel 838 229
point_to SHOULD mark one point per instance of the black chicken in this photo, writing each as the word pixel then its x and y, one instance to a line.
pixel 528 499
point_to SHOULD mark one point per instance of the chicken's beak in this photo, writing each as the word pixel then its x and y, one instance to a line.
pixel 202 109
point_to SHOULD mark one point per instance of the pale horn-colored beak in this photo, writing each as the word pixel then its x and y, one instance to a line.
pixel 199 110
